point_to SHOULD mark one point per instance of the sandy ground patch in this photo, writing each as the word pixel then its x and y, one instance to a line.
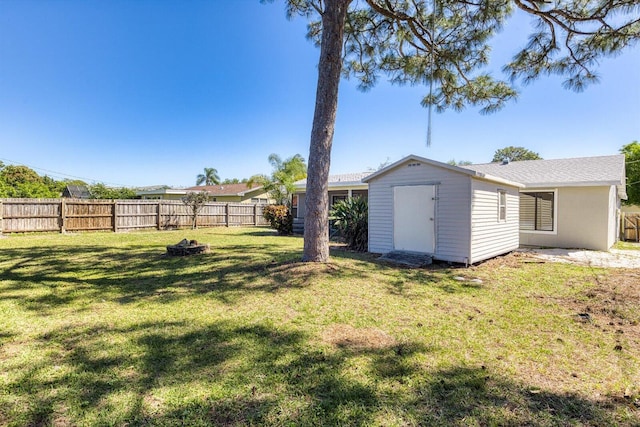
pixel 616 258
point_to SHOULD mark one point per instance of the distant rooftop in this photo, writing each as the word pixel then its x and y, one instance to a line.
pixel 76 191
pixel 340 180
pixel 225 189
pixel 153 187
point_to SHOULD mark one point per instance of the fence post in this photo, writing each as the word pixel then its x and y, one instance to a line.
pixel 227 214
pixel 1 217
pixel 63 215
pixel 115 216
pixel 255 214
pixel 159 212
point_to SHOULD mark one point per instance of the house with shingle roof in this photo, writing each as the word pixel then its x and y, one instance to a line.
pixel 226 193
pixel 238 193
pixel 471 213
pixel 341 187
pixel 567 203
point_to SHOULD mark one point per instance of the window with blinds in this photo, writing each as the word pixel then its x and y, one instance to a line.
pixel 536 211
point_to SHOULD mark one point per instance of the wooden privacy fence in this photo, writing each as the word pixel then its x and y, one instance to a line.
pixel 630 226
pixel 68 215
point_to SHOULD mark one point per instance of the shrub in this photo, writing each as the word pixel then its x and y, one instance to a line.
pixel 351 219
pixel 195 202
pixel 280 218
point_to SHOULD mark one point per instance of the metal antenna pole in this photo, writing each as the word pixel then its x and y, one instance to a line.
pixel 431 66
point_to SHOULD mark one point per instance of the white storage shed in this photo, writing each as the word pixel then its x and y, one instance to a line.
pixel 452 213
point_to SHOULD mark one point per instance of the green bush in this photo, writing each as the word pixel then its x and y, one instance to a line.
pixel 280 218
pixel 351 219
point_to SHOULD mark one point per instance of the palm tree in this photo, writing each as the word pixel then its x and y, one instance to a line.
pixel 285 173
pixel 209 177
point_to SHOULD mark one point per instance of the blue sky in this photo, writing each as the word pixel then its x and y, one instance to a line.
pixel 150 92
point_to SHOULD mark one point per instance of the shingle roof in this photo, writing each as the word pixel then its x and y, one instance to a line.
pixel 580 171
pixel 78 191
pixel 345 179
pixel 224 189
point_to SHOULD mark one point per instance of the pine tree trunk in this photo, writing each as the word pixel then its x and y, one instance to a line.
pixel 316 219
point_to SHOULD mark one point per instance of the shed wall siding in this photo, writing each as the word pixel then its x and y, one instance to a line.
pixel 452 221
pixel 583 220
pixel 489 236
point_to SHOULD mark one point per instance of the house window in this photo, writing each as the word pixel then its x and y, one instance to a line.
pixel 537 211
pixel 502 205
pixel 336 199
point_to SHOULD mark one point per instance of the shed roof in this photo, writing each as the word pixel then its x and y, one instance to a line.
pixel 574 172
pixel 466 171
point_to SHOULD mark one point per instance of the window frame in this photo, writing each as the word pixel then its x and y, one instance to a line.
pixel 502 205
pixel 554 191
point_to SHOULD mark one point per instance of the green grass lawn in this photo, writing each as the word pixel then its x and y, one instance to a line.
pixel 103 329
pixel 628 246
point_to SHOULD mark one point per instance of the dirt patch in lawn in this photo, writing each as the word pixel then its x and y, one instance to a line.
pixel 612 304
pixel 510 260
pixel 305 268
pixel 346 336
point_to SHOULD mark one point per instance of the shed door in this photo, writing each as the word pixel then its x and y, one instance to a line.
pixel 414 218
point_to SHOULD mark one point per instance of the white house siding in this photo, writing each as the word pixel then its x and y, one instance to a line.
pixel 452 222
pixel 614 217
pixel 490 236
pixel 583 220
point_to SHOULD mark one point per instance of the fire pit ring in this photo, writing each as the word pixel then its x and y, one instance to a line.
pixel 188 247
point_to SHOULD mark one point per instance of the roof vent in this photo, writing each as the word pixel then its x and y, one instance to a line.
pixel 505 161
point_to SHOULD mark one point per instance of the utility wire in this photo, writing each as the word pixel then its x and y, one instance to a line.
pixel 61 174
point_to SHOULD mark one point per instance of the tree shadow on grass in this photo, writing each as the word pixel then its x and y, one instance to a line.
pixel 60 275
pixel 436 276
pixel 172 373
pixel 477 396
pixel 42 279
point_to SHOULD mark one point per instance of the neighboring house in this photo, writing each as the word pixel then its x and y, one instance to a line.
pixel 236 193
pixel 455 214
pixel 161 193
pixel 341 187
pixel 567 203
pixel 76 192
pixel 226 193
